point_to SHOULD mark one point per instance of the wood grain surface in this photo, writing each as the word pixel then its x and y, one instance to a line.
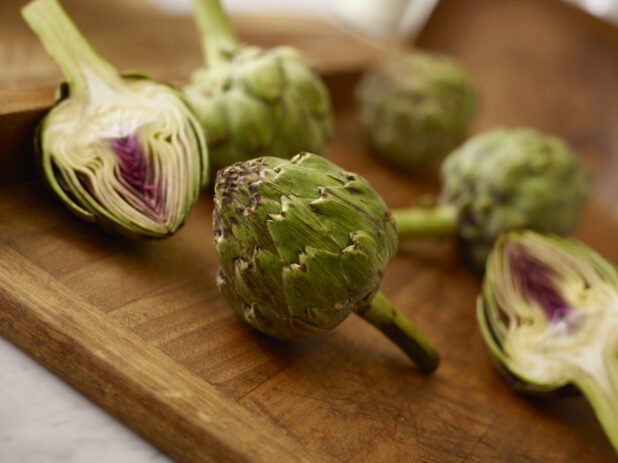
pixel 142 330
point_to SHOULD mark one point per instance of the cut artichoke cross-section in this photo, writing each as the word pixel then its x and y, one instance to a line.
pixel 549 314
pixel 125 152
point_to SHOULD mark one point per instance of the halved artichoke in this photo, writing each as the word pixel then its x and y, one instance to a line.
pixel 549 315
pixel 302 244
pixel 253 102
pixel 124 152
pixel 502 180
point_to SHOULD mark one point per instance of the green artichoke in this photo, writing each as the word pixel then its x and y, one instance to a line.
pixel 501 180
pixel 253 102
pixel 416 107
pixel 301 245
pixel 124 152
pixel 549 315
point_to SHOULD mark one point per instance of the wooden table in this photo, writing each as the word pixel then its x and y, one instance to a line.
pixel 141 329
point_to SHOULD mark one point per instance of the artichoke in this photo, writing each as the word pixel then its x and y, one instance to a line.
pixel 253 102
pixel 124 152
pixel 302 244
pixel 549 315
pixel 501 180
pixel 415 108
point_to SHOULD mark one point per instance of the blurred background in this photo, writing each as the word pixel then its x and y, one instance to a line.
pixel 376 17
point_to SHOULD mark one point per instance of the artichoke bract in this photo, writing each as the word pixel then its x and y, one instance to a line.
pixel 124 152
pixel 415 108
pixel 253 102
pixel 302 244
pixel 549 315
pixel 501 180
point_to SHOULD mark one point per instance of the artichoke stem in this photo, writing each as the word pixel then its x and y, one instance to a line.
pixel 422 222
pixel 385 316
pixel 604 399
pixel 215 29
pixel 81 64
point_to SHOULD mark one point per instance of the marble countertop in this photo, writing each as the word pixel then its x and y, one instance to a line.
pixel 44 420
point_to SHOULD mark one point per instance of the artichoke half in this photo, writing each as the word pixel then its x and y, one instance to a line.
pixel 501 180
pixel 252 102
pixel 302 244
pixel 124 152
pixel 416 107
pixel 549 315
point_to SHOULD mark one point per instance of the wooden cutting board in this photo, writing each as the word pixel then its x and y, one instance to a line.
pixel 142 330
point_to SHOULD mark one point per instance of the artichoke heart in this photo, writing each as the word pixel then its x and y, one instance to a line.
pixel 502 180
pixel 253 102
pixel 302 244
pixel 549 315
pixel 124 152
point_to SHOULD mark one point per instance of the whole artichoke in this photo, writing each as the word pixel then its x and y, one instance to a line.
pixel 549 315
pixel 253 102
pixel 126 153
pixel 501 180
pixel 416 107
pixel 301 245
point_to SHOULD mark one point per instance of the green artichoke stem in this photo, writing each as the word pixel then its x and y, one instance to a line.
pixel 385 316
pixel 82 66
pixel 422 222
pixel 215 29
pixel 602 393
